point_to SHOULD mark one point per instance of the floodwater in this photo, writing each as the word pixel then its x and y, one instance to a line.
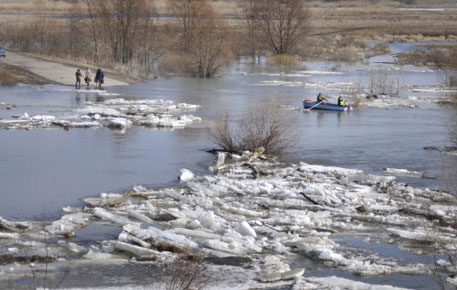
pixel 42 171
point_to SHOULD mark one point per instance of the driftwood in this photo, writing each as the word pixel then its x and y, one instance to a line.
pixel 13 226
pixel 310 199
pixel 126 195
pixel 259 151
pixel 315 202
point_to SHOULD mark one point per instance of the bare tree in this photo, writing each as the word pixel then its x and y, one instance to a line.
pixel 385 82
pixel 251 28
pixel 211 48
pixel 93 26
pixel 203 36
pixel 190 15
pixel 282 22
pixel 121 21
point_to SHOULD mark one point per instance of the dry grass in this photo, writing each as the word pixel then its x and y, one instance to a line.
pixel 11 75
pixel 444 58
pixel 335 48
pixel 220 6
pixel 382 20
pixel 284 61
pixel 36 5
pixel 380 49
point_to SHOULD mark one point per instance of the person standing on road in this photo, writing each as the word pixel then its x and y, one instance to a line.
pixel 88 76
pixel 99 78
pixel 78 79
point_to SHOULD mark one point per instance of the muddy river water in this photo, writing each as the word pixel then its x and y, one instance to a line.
pixel 43 170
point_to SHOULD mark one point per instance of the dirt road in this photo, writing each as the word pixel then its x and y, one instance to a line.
pixel 56 72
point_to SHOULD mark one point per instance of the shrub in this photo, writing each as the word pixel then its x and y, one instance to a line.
pixel 284 61
pixel 188 272
pixel 385 82
pixel 380 49
pixel 348 53
pixel 265 124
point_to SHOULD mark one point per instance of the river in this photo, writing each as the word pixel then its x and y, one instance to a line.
pixel 44 170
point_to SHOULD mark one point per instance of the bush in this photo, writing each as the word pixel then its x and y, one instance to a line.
pixel 178 64
pixel 348 53
pixel 188 272
pixel 386 82
pixel 284 61
pixel 265 124
pixel 380 49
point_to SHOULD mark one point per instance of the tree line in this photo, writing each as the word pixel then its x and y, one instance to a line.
pixel 193 40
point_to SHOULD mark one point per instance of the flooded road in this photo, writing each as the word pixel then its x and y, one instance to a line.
pixel 44 170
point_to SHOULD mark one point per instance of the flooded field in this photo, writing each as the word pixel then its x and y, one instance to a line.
pixel 45 169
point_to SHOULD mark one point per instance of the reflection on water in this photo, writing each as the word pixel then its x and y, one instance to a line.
pixel 44 170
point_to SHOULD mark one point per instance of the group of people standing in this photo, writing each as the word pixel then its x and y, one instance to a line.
pixel 99 78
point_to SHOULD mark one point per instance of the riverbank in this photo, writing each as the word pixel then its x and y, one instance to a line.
pixel 266 225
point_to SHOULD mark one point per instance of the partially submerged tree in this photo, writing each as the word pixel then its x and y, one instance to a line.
pixel 283 23
pixel 190 15
pixel 251 28
pixel 203 37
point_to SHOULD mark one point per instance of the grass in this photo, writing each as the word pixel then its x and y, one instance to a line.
pixel 342 30
pixel 379 20
pixel 285 61
pixel 380 49
pixel 38 6
pixel 11 75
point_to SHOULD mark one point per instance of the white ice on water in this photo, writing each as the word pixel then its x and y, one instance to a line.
pixel 115 113
pixel 290 211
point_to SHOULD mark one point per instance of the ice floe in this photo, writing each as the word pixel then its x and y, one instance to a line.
pixel 116 113
pixel 406 173
pixel 289 212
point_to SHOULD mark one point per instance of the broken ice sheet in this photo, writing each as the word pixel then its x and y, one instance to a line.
pixel 291 211
pixel 112 113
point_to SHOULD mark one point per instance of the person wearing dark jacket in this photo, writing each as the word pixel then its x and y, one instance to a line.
pixel 320 98
pixel 78 75
pixel 99 78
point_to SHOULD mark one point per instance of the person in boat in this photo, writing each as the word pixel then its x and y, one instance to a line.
pixel 341 101
pixel 320 98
